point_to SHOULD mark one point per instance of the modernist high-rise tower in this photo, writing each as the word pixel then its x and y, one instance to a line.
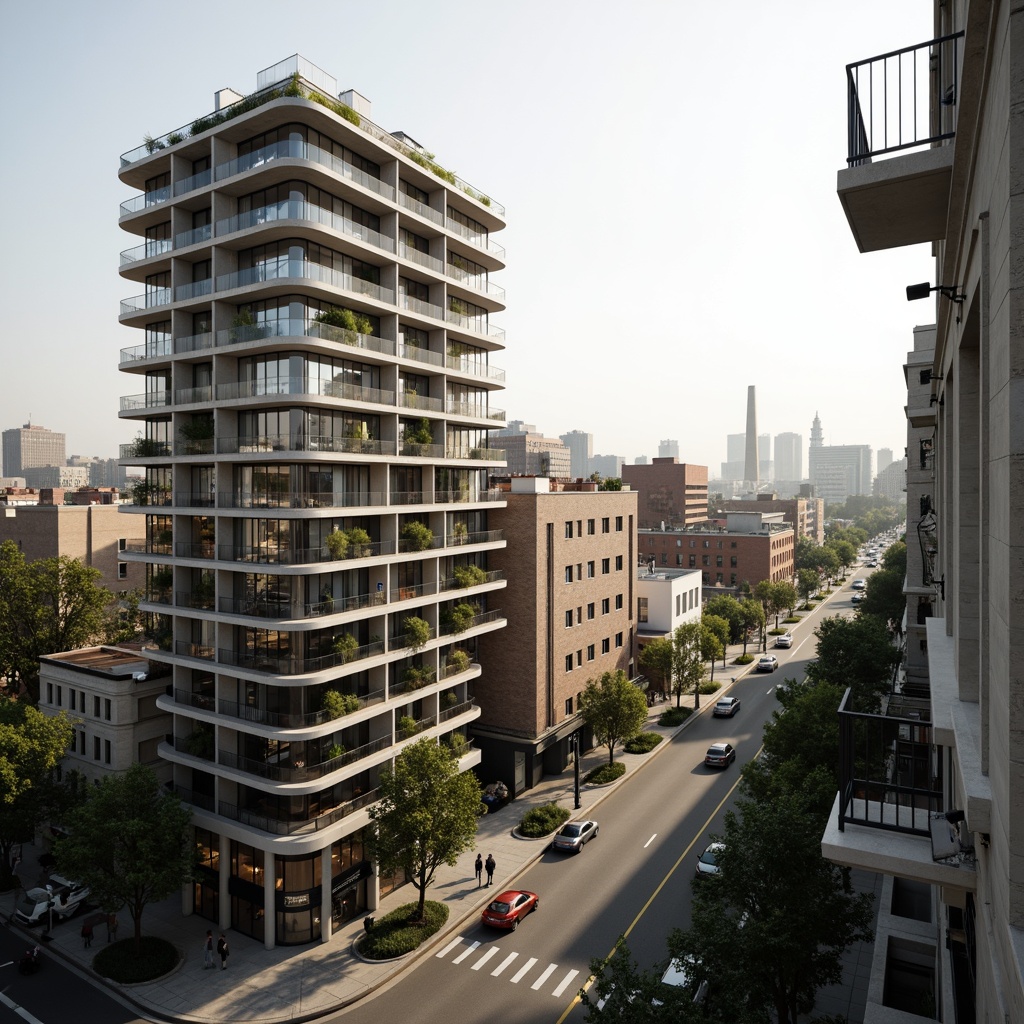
pixel 751 464
pixel 313 410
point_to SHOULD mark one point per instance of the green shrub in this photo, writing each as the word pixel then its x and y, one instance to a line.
pixel 672 717
pixel 710 686
pixel 416 676
pixel 744 659
pixel 417 536
pixel 337 704
pixel 776 632
pixel 792 618
pixel 605 773
pixel 407 726
pixel 417 631
pixel 122 962
pixel 344 645
pixel 457 660
pixel 461 617
pixel 543 820
pixel 469 575
pixel 400 932
pixel 809 607
pixel 643 743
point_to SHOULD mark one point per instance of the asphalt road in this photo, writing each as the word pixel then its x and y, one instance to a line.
pixel 633 880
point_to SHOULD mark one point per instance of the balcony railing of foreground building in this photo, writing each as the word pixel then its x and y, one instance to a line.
pixel 303 386
pixel 162 348
pixel 286 828
pixel 284 609
pixel 903 99
pixel 189 649
pixel 144 448
pixel 452 582
pixel 287 720
pixel 296 269
pixel 301 773
pixel 203 801
pixel 289 665
pixel 449 629
pixel 201 549
pixel 469 495
pixel 154 297
pixel 460 709
pixel 889 771
pixel 147 547
pixel 301 443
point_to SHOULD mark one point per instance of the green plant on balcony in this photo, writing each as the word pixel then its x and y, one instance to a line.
pixel 144 492
pixel 346 321
pixel 293 88
pixel 336 543
pixel 417 536
pixel 460 532
pixel 163 537
pixel 417 676
pixel 359 543
pixel 199 742
pixel 469 576
pixel 337 705
pixel 458 307
pixel 458 744
pixel 417 631
pixel 162 578
pixel 336 750
pixel 197 433
pixel 449 699
pixel 456 349
pixel 203 591
pixel 457 660
pixel 151 144
pixel 461 616
pixel 145 447
pixel 344 645
pixel 417 438
pixel 407 726
pixel 477 453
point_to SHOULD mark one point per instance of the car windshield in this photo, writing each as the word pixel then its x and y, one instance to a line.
pixel 709 857
pixel 571 830
pixel 27 904
pixel 499 907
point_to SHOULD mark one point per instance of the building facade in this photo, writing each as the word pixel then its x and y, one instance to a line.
pixel 665 599
pixel 607 466
pixel 668 449
pixel 530 454
pixel 891 482
pixel 30 446
pixel 789 457
pixel 569 605
pixel 669 493
pixel 581 451
pixel 806 515
pixel 936 808
pixel 313 412
pixel 838 471
pixel 750 547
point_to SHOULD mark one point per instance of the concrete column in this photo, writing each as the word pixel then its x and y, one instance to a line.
pixel 326 918
pixel 269 904
pixel 223 876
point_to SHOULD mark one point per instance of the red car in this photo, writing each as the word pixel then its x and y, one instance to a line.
pixel 509 908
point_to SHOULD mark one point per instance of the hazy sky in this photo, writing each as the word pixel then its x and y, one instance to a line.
pixel 668 168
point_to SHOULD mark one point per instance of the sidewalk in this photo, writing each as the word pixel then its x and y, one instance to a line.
pixel 291 983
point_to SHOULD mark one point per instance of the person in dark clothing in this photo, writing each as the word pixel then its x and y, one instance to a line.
pixel 222 951
pixel 86 934
pixel 490 866
pixel 479 870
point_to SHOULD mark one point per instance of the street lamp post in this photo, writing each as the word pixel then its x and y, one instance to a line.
pixel 576 767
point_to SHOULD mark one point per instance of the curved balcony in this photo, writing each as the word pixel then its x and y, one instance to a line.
pixel 146 200
pixel 281 720
pixel 296 665
pixel 303 387
pixel 163 348
pixel 148 300
pixel 302 772
pixel 315 443
pixel 300 270
pixel 151 247
pixel 298 556
pixel 297 327
pixel 276 826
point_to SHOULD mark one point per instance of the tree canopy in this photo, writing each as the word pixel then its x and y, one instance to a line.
pixel 614 708
pixel 725 606
pixel 655 661
pixel 775 922
pixel 687 661
pixel 47 606
pixel 426 814
pixel 807 582
pixel 130 841
pixel 31 746
pixel 856 653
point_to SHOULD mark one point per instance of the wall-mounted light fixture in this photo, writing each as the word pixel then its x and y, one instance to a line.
pixel 924 289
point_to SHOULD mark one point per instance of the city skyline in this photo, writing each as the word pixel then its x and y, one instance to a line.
pixel 763 176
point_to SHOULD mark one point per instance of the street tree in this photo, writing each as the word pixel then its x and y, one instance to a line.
pixel 753 618
pixel 828 564
pixel 805 553
pixel 845 552
pixel 856 653
pixel 46 606
pixel 687 661
pixel 895 558
pixel 720 627
pixel 800 912
pixel 884 599
pixel 785 598
pixel 130 841
pixel 426 815
pixel 726 606
pixel 710 646
pixel 807 583
pixel 656 662
pixel 775 597
pixel 614 708
pixel 31 746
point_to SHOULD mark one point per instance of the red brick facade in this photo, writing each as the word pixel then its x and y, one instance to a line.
pixel 669 493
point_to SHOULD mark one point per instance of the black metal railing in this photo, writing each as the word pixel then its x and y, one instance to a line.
pixel 890 772
pixel 903 99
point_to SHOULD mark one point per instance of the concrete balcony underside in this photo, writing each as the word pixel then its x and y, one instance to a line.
pixel 893 853
pixel 899 201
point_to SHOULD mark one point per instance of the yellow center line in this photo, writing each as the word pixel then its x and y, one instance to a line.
pixel 643 910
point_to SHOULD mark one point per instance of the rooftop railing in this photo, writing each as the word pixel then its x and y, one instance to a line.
pixel 903 99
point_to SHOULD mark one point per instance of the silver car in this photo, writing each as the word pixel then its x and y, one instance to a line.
pixel 574 835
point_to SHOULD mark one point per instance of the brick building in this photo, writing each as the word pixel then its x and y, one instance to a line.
pixel 807 515
pixel 669 493
pixel 569 605
pixel 751 547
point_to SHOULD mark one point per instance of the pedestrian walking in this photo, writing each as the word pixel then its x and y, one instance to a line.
pixel 86 935
pixel 479 870
pixel 222 951
pixel 490 866
pixel 208 950
pixel 111 927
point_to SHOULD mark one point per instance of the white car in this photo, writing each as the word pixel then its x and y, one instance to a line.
pixel 858 584
pixel 768 663
pixel 63 896
pixel 786 640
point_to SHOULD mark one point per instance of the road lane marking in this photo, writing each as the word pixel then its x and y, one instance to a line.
pixel 19 1010
pixel 451 945
pixel 518 976
pixel 661 885
pixel 565 983
pixel 487 956
pixel 651 840
pixel 504 963
pixel 548 971
pixel 462 956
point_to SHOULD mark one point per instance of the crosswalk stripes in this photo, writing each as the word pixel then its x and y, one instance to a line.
pixel 524 967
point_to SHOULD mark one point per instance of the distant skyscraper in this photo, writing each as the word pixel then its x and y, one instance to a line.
pixel 735 447
pixel 764 457
pixel 816 441
pixel 839 470
pixel 751 469
pixel 641 460
pixel 31 446
pixel 607 465
pixel 668 449
pixel 883 460
pixel 789 457
pixel 581 451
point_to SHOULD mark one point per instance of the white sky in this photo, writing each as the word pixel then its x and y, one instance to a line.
pixel 668 169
